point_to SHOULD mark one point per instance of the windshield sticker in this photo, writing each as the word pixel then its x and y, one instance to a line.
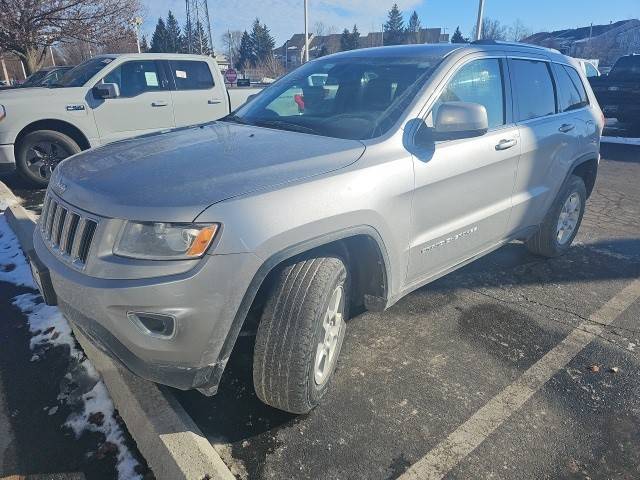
pixel 181 74
pixel 151 79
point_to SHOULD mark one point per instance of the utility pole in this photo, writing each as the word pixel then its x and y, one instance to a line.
pixel 479 22
pixel 306 32
pixel 53 59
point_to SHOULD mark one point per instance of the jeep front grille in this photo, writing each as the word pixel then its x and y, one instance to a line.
pixel 69 233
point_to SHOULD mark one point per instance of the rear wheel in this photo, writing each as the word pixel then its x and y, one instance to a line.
pixel 300 334
pixel 38 153
pixel 561 224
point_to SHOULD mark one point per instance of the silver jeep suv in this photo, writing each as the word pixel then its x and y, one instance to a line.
pixel 348 183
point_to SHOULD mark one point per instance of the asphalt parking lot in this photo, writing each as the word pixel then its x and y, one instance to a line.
pixel 440 361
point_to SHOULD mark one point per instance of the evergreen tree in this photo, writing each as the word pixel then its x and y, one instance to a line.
pixel 413 28
pixel 245 52
pixel 458 38
pixel 175 42
pixel 394 27
pixel 200 40
pixel 144 45
pixel 187 38
pixel 350 40
pixel 159 37
pixel 262 42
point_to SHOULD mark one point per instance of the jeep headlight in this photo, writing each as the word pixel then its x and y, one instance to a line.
pixel 164 241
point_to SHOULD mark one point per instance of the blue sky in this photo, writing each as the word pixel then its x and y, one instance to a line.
pixel 285 17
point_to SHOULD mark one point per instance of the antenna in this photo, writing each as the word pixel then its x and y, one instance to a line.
pixel 198 15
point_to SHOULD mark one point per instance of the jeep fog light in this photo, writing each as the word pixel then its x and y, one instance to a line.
pixel 154 324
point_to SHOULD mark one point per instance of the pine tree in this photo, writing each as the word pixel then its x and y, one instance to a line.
pixel 355 37
pixel 245 52
pixel 413 28
pixel 200 40
pixel 187 38
pixel 394 27
pixel 457 37
pixel 262 42
pixel 144 45
pixel 159 37
pixel 174 34
pixel 350 40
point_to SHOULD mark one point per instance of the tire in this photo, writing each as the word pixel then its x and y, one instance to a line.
pixel 290 332
pixel 39 152
pixel 549 241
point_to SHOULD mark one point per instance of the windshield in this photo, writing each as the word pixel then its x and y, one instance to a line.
pixel 34 79
pixel 79 75
pixel 345 97
pixel 626 66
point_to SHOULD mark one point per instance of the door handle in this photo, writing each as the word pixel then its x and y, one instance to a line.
pixel 214 101
pixel 506 143
pixel 159 103
pixel 566 127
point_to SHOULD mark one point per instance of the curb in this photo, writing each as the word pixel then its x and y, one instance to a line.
pixel 165 434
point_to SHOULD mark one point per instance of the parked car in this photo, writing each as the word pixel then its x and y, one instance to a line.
pixel 425 158
pixel 619 91
pixel 108 98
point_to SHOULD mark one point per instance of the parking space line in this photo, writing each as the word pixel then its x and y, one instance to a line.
pixel 468 436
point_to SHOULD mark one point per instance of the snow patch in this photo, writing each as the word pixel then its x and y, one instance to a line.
pixel 49 328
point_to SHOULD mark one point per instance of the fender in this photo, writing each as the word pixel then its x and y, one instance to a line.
pixel 211 386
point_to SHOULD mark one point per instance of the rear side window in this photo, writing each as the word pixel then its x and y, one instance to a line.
pixel 135 78
pixel 571 93
pixel 479 81
pixel 535 94
pixel 590 70
pixel 191 75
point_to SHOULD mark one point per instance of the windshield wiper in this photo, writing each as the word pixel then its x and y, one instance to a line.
pixel 235 119
pixel 283 125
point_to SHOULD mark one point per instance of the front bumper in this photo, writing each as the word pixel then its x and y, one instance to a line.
pixel 204 302
pixel 7 158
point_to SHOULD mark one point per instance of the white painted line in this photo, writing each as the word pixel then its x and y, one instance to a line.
pixel 621 140
pixel 468 436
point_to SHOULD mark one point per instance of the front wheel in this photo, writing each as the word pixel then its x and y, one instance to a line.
pixel 561 224
pixel 300 334
pixel 38 153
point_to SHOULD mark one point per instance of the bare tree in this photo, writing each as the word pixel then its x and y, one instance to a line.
pixel 518 31
pixel 231 44
pixel 29 27
pixel 491 30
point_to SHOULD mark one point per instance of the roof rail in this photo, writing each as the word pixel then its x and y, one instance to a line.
pixel 513 44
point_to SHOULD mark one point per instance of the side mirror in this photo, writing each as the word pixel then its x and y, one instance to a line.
pixel 106 90
pixel 460 120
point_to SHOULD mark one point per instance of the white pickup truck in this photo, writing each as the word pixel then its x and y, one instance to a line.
pixel 109 98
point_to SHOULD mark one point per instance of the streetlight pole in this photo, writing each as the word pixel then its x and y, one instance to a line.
pixel 306 32
pixel 479 22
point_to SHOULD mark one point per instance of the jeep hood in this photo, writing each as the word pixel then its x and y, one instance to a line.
pixel 174 176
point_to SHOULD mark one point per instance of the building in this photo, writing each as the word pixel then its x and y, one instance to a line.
pixel 603 42
pixel 291 53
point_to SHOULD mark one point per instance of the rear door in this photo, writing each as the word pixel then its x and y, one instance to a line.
pixel 197 97
pixel 462 197
pixel 144 105
pixel 547 138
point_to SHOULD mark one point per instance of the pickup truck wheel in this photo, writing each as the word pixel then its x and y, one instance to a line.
pixel 562 222
pixel 300 334
pixel 39 152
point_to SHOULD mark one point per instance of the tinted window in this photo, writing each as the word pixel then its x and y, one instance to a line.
pixel 480 82
pixel 191 75
pixel 533 86
pixel 571 93
pixel 626 66
pixel 135 78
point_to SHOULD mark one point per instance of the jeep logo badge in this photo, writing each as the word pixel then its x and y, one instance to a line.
pixel 59 187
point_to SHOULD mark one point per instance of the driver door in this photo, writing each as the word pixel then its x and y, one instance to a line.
pixel 145 104
pixel 463 187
